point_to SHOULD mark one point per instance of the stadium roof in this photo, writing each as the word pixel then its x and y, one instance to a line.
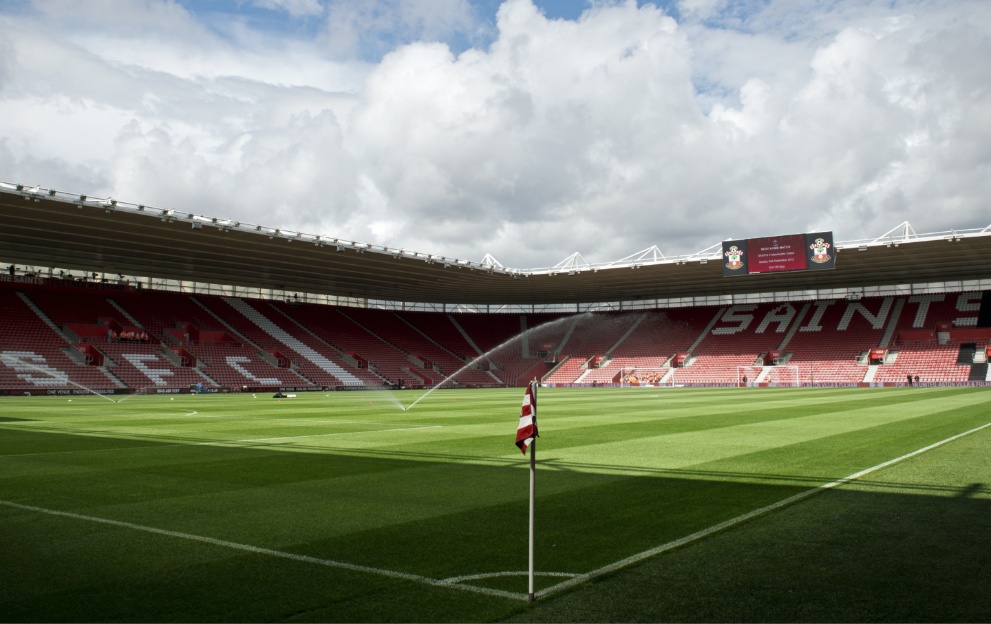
pixel 54 229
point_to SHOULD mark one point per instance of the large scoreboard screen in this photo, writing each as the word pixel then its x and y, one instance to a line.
pixel 791 252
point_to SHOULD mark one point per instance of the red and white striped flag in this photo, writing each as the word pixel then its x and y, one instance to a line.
pixel 527 429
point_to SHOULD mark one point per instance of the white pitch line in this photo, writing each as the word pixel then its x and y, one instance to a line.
pixel 99 450
pixel 344 422
pixel 214 442
pixel 319 435
pixel 487 575
pixel 454 582
pixel 135 416
pixel 335 422
pixel 622 563
pixel 147 416
pixel 330 563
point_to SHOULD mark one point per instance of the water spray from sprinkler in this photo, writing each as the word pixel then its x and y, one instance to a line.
pixel 495 349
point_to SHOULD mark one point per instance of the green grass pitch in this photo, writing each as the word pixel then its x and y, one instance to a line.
pixel 346 507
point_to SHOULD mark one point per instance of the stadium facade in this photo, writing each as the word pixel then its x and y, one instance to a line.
pixel 123 297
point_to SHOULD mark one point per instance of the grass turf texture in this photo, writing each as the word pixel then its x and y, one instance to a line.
pixel 440 492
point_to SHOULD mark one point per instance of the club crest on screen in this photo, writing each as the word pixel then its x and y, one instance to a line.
pixel 820 251
pixel 734 257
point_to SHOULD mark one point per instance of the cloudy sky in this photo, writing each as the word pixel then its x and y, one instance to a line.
pixel 528 129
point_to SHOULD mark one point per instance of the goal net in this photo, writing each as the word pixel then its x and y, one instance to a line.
pixel 647 377
pixel 771 376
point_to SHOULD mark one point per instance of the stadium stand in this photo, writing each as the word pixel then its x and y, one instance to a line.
pixel 916 347
pixel 517 347
pixel 280 338
pixel 487 332
pixel 833 337
pixel 35 356
pixel 652 345
pixel 361 350
pixel 93 325
pixel 590 337
pixel 421 354
pixel 55 337
pixel 736 336
pixel 221 355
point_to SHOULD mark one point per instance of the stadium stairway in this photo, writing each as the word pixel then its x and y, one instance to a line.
pixel 367 355
pixel 293 343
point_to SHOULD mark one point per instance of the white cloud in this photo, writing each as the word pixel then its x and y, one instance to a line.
pixel 295 8
pixel 364 28
pixel 604 135
pixel 700 9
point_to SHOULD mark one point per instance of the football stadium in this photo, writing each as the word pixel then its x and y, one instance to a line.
pixel 209 420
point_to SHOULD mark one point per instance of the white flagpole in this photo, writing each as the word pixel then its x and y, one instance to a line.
pixel 533 490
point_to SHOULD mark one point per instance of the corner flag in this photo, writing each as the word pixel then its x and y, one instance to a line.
pixel 527 429
pixel 526 433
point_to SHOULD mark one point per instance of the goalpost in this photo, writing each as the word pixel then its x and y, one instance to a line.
pixel 771 376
